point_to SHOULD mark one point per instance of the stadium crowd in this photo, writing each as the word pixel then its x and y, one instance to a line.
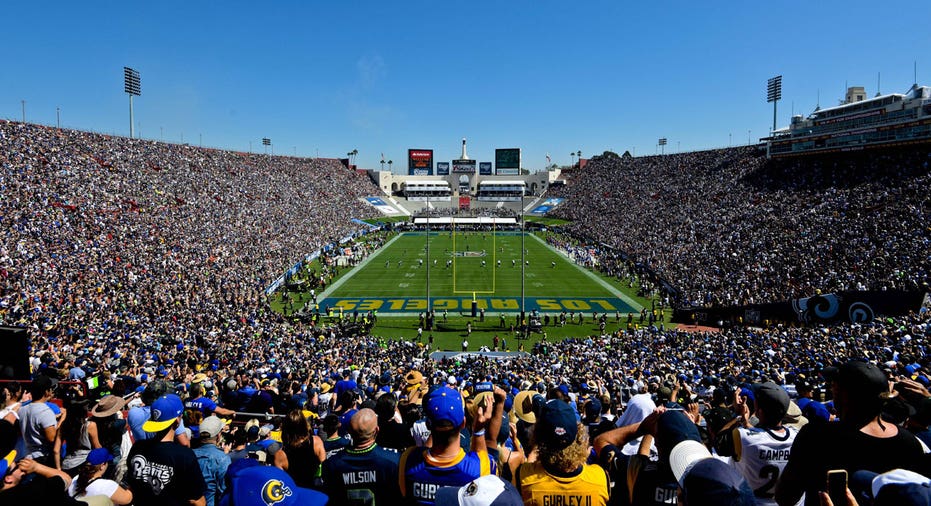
pixel 728 227
pixel 138 268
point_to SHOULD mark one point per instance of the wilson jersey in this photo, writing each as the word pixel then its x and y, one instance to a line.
pixel 420 475
pixel 362 477
pixel 760 455
pixel 588 487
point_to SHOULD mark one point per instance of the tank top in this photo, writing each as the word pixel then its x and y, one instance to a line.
pixel 303 466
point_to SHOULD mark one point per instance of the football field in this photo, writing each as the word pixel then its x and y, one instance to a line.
pixel 466 266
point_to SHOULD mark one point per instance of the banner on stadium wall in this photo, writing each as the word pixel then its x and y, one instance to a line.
pixel 464 166
pixel 420 162
pixel 442 168
pixel 484 168
pixel 465 203
pixel 852 307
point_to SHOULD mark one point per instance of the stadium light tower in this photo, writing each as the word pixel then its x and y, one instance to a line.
pixel 662 143
pixel 774 94
pixel 266 142
pixel 132 86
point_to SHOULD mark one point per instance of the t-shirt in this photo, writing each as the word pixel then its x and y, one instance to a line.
pixel 362 477
pixel 203 404
pixel 34 418
pixel 163 474
pixel 821 447
pixel 99 486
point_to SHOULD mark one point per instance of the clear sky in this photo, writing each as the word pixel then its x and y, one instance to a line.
pixel 382 77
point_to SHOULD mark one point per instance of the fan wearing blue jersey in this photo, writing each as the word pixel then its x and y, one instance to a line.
pixel 423 471
pixel 363 474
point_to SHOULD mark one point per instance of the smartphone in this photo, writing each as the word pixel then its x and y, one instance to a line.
pixel 837 486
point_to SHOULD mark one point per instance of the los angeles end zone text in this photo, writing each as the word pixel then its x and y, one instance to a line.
pixel 492 304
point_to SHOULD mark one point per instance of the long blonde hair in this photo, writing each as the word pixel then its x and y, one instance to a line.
pixel 566 459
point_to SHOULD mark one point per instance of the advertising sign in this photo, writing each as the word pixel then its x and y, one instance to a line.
pixel 420 162
pixel 442 168
pixel 484 168
pixel 464 166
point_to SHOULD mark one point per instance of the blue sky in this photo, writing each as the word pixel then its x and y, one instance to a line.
pixel 382 77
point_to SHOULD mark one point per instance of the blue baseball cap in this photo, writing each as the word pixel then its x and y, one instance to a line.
pixel 98 456
pixel 556 424
pixel 444 404
pixel 165 410
pixel 266 486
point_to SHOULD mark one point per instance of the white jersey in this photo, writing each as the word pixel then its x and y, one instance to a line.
pixel 760 456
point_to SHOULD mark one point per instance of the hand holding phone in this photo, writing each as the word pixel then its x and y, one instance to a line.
pixel 837 486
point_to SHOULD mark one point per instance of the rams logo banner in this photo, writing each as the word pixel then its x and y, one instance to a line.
pixel 275 491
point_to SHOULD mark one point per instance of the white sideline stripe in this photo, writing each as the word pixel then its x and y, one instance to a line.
pixel 594 277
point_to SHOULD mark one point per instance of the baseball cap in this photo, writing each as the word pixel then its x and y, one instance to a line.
pixel 211 426
pixel 556 424
pixel 266 485
pixel 44 382
pixel 898 487
pixel 593 408
pixel 98 456
pixel 861 377
pixel 443 404
pixel 711 481
pixel 489 490
pixel 7 462
pixel 772 399
pixel 165 410
pixel 673 428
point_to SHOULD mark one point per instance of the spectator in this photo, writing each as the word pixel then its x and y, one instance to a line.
pixel 365 471
pixel 161 471
pixel 212 460
pixel 560 471
pixel 760 452
pixel 37 422
pixel 302 452
pixel 860 441
pixel 90 480
pixel 445 463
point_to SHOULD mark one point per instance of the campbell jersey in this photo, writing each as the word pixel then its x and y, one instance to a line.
pixel 586 487
pixel 362 477
pixel 760 456
pixel 420 475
